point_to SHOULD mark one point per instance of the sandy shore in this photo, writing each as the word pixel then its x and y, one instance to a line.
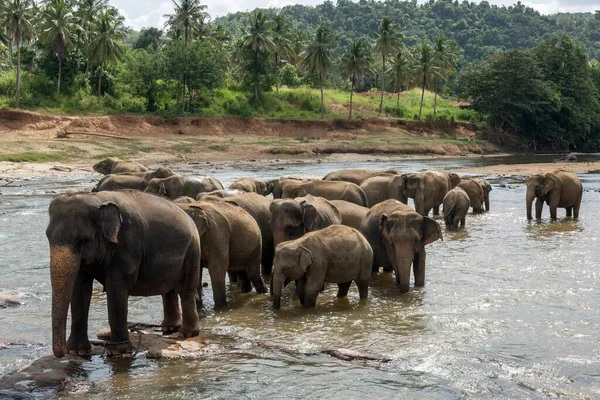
pixel 530 169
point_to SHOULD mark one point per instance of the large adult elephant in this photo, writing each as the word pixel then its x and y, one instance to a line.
pixel 557 189
pixel 356 176
pixel 383 187
pixel 330 190
pixel 231 242
pixel 352 214
pixel 398 236
pixel 475 192
pixel 487 188
pixel 250 185
pixel 427 189
pixel 136 181
pixel 134 244
pixel 114 165
pixel 276 186
pixel 177 186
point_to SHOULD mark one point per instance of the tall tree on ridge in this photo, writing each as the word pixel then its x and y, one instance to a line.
pixel 355 62
pixel 387 42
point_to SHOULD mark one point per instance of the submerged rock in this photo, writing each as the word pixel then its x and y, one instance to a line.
pixel 10 299
pixel 353 355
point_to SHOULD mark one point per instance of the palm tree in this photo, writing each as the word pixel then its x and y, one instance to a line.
pixel 257 39
pixel 17 17
pixel 428 69
pixel 87 15
pixel 104 46
pixel 446 58
pixel 281 38
pixel 316 59
pixel 6 41
pixel 387 41
pixel 58 25
pixel 355 62
pixel 402 69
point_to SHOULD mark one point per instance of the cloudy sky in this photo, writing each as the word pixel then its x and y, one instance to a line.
pixel 147 13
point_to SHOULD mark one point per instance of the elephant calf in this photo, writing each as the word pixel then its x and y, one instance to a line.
pixel 137 181
pixel 330 190
pixel 487 188
pixel 250 185
pixel 176 186
pixel 337 254
pixel 475 192
pixel 456 207
pixel 356 176
pixel 114 165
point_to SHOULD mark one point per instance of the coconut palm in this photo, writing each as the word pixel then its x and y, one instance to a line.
pixel 7 42
pixel 355 62
pixel 402 70
pixel 317 58
pixel 17 17
pixel 280 34
pixel 257 39
pixel 428 69
pixel 57 27
pixel 104 46
pixel 87 15
pixel 446 58
pixel 387 42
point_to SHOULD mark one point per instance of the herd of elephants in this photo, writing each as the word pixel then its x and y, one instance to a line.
pixel 142 233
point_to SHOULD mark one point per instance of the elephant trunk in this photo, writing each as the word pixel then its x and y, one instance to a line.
pixel 277 288
pixel 529 202
pixel 64 265
pixel 420 202
pixel 404 260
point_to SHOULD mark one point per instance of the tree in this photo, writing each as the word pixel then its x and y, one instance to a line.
pixel 428 69
pixel 104 46
pixel 355 62
pixel 149 38
pixel 57 27
pixel 289 76
pixel 446 58
pixel 317 58
pixel 257 40
pixel 387 41
pixel 402 70
pixel 281 39
pixel 17 16
pixel 87 15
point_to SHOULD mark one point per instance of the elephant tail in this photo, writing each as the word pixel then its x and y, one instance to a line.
pixel 448 215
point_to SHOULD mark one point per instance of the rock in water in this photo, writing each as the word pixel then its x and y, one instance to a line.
pixel 10 299
pixel 353 355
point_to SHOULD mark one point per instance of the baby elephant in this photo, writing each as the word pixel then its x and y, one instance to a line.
pixel 337 254
pixel 456 207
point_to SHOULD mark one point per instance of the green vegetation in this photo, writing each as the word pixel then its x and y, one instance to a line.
pixel 33 157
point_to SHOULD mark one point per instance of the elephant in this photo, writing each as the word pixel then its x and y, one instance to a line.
pixel 184 200
pixel 427 189
pixel 231 242
pixel 176 186
pixel 398 236
pixel 487 188
pixel 137 181
pixel 330 190
pixel 571 157
pixel 275 186
pixel 250 185
pixel 382 187
pixel 456 207
pixel 352 214
pixel 114 165
pixel 223 193
pixel 258 207
pixel 134 244
pixel 356 176
pixel 336 254
pixel 475 192
pixel 557 189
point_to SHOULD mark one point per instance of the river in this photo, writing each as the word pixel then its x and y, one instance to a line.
pixel 510 309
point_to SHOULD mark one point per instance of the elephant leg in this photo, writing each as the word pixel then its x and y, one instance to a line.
pixel 436 210
pixel 462 222
pixel 300 284
pixel 363 288
pixel 569 211
pixel 311 290
pixel 199 290
pixel 343 289
pixel 172 313
pixel 426 211
pixel 539 204
pixel 191 325
pixel 456 222
pixel 419 267
pixel 245 284
pixel 233 276
pixel 253 273
pixel 267 261
pixel 78 343
pixel 217 272
pixel 553 210
pixel 117 294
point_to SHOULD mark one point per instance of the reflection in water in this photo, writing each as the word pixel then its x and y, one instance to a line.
pixel 544 228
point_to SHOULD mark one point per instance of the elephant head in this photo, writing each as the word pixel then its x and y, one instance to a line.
pixel 162 172
pixel 454 180
pixel 82 230
pixel 287 220
pixel 406 233
pixel 261 188
pixel 318 213
pixel 105 166
pixel 273 187
pixel 157 187
pixel 411 185
pixel 197 213
pixel 290 263
pixel 539 186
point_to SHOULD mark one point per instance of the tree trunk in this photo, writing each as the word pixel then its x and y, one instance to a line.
pixel 434 101
pixel 422 95
pixel 59 75
pixel 18 94
pixel 10 54
pixel 100 82
pixel 183 70
pixel 382 86
pixel 398 98
pixel 256 76
pixel 351 93
pixel 321 82
pixel 277 71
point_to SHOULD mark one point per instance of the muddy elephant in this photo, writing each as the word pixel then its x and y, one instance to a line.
pixel 134 244
pixel 456 207
pixel 177 186
pixel 336 254
pixel 571 157
pixel 223 193
pixel 250 185
pixel 258 207
pixel 330 190
pixel 557 189
pixel 276 186
pixel 475 192
pixel 398 236
pixel 352 214
pixel 356 176
pixel 487 188
pixel 427 189
pixel 383 187
pixel 231 242
pixel 114 165
pixel 136 181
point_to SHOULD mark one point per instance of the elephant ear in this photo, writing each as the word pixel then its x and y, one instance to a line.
pixel 162 190
pixel 431 231
pixel 261 188
pixel 309 215
pixel 270 187
pixel 305 258
pixel 298 192
pixel 200 218
pixel 550 181
pixel 454 180
pixel 385 226
pixel 110 221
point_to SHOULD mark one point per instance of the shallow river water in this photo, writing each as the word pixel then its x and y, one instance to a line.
pixel 510 309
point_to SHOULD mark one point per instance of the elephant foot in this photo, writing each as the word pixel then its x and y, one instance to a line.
pixel 119 349
pixel 170 325
pixel 262 289
pixel 79 347
pixel 189 331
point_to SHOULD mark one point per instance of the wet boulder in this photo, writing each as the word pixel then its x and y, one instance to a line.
pixel 10 299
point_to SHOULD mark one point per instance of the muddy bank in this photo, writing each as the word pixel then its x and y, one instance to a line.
pixel 536 168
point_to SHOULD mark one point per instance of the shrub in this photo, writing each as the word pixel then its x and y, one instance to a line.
pixel 8 82
pixel 288 76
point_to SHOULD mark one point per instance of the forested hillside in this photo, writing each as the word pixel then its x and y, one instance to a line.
pixel 479 29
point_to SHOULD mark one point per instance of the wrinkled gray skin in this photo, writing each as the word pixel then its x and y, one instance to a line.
pixel 475 192
pixel 336 254
pixel 258 207
pixel 352 214
pixel 114 165
pixel 571 157
pixel 427 189
pixel 231 241
pixel 136 181
pixel 398 236
pixel 250 185
pixel 382 187
pixel 330 190
pixel 134 244
pixel 276 186
pixel 177 186
pixel 224 193
pixel 456 207
pixel 184 200
pixel 356 176
pixel 557 189
pixel 487 188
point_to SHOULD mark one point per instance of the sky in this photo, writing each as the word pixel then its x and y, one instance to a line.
pixel 147 13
